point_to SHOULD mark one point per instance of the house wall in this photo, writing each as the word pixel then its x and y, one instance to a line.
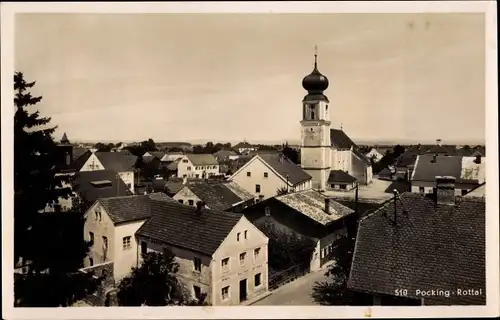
pixel 360 170
pixel 232 248
pixel 185 194
pixel 268 186
pixel 100 226
pixel 92 164
pixel 128 178
pixel 336 186
pixel 430 185
pixel 374 154
pixel 326 245
pixel 125 259
pixel 192 171
pixel 171 157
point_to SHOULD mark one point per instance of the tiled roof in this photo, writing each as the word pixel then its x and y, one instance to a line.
pixel 340 176
pixel 285 167
pixel 239 191
pixel 216 196
pixel 408 157
pixel 202 159
pixel 462 168
pixel 443 150
pixel 147 159
pixel 172 166
pixel 311 203
pixel 225 153
pixel 179 225
pixel 479 191
pixel 84 185
pixel 132 208
pixel 117 161
pixel 429 247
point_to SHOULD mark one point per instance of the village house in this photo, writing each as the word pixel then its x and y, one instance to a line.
pixel 197 166
pixel 227 196
pixel 122 163
pixel 172 156
pixel 374 154
pixel 324 149
pixel 307 213
pixel 446 234
pixel 469 172
pixel 220 254
pixel 225 155
pixel 158 154
pixel 340 180
pixel 244 147
pixel 267 173
pixel 110 225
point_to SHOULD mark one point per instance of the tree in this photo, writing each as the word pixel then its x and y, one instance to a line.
pixel 103 147
pixel 286 249
pixel 45 242
pixel 154 283
pixel 398 150
pixel 198 149
pixel 148 145
pixel 291 154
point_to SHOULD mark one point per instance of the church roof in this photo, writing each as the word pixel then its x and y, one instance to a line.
pixel 339 139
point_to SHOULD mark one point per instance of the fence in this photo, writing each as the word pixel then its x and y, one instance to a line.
pixel 278 278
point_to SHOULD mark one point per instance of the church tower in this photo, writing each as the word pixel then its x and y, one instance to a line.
pixel 315 152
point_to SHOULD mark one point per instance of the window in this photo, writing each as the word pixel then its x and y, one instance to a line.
pixel 91 261
pixel 256 253
pixel 422 190
pixel 257 279
pixel 184 161
pixel 191 202
pixel 464 192
pixel 225 264
pixel 197 175
pixel 249 174
pixel 197 292
pixel 144 247
pixel 238 236
pixel 343 186
pixel 164 252
pixel 91 236
pixel 181 201
pixel 188 168
pixel 105 242
pixel 265 174
pixel 197 168
pixel 332 186
pixel 242 257
pixel 257 188
pixel 267 211
pixel 225 293
pixel 129 185
pixel 246 234
pixel 197 264
pixel 126 243
pixel 184 175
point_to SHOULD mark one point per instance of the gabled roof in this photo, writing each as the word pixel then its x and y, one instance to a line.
pixel 91 185
pixel 202 159
pixel 132 208
pixel 216 196
pixel 180 225
pixel 158 154
pixel 311 203
pixel 408 157
pixel 479 191
pixel 77 152
pixel 117 161
pixel 239 191
pixel 172 166
pixel 337 176
pixel 339 139
pixel 285 167
pixel 429 247
pixel 225 153
pixel 443 150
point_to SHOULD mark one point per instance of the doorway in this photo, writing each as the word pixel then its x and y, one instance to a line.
pixel 243 290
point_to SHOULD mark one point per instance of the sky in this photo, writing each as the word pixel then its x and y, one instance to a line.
pixel 234 77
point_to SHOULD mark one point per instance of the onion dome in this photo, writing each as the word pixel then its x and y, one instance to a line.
pixel 315 82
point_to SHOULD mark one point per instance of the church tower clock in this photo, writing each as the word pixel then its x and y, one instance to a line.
pixel 315 152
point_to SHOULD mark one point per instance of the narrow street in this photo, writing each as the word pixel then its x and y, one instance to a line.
pixel 297 292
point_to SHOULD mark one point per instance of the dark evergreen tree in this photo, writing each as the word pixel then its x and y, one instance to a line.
pixel 50 245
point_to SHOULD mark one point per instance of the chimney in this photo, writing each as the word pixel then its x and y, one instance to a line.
pixel 184 180
pixel 438 142
pixel 434 158
pixel 327 205
pixel 200 205
pixel 478 159
pixel 445 190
